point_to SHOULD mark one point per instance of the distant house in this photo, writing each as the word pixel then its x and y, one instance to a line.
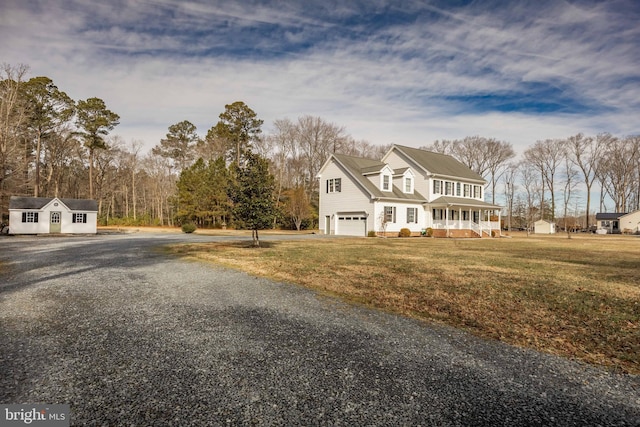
pixel 407 188
pixel 608 222
pixel 46 215
pixel 618 222
pixel 544 227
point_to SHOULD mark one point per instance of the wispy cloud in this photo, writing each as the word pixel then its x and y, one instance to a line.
pixel 406 71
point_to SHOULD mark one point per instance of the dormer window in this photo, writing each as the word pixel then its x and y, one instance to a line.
pixel 386 183
pixel 408 185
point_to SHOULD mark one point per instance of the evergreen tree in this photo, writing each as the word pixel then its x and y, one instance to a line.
pixel 252 194
pixel 238 128
pixel 94 121
pixel 202 193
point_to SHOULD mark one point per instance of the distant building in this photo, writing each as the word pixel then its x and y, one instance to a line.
pixel 46 215
pixel 544 227
pixel 618 222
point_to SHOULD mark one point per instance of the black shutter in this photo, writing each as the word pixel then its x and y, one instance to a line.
pixel 24 217
pixel 84 218
pixel 35 217
pixel 73 218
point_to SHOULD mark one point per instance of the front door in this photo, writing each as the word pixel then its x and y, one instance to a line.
pixel 54 223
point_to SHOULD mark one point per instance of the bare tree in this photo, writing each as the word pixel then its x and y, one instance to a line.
pixel 547 156
pixel 532 186
pixel 282 142
pixel 317 139
pixel 62 149
pixel 497 154
pixel 510 177
pixel 585 153
pixel 569 185
pixel 618 170
pixel 12 117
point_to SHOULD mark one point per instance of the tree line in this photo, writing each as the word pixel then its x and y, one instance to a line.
pixel 51 145
pixel 555 178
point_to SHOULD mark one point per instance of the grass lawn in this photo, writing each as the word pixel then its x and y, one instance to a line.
pixel 578 297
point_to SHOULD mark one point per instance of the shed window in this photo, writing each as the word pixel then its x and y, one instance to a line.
pixel 29 216
pixel 79 218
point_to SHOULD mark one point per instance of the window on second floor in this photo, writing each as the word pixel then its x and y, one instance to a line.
pixel 334 185
pixel 458 189
pixel 408 185
pixel 437 187
pixel 386 183
pixel 467 190
pixel 448 188
pixel 477 192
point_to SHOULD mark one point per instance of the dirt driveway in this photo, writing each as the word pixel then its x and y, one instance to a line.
pixel 129 336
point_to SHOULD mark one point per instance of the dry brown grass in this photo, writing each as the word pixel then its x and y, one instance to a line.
pixel 578 297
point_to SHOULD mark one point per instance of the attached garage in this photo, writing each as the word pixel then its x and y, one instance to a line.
pixel 351 224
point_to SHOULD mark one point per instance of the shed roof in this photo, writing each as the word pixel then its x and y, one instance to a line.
pixel 17 202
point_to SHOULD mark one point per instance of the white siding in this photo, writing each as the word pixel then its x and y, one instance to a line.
pixel 351 198
pixel 421 182
pixel 401 217
pixel 631 222
pixel 16 226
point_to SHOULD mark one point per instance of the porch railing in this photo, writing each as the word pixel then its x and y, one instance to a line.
pixel 485 226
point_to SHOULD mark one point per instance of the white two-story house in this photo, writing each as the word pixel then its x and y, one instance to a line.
pixel 408 188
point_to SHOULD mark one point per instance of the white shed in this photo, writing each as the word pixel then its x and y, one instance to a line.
pixel 46 215
pixel 544 227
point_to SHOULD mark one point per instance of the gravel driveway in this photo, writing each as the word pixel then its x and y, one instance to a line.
pixel 129 336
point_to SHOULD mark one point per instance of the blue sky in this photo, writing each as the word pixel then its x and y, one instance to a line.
pixel 407 72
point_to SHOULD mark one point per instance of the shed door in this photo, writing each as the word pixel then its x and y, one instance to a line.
pixel 54 223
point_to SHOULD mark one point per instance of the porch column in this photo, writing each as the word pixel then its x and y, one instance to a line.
pixel 446 218
pixel 460 218
pixel 500 222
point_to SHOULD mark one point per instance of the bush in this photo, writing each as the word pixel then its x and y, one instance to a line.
pixel 188 227
pixel 404 232
pixel 429 232
pixel 372 233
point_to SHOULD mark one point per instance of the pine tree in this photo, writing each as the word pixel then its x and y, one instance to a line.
pixel 252 194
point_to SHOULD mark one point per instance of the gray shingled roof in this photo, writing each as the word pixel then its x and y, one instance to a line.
pixel 356 166
pixel 17 202
pixel 439 164
pixel 457 201
pixel 607 216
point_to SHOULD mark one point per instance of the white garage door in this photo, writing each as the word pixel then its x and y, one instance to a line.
pixel 352 225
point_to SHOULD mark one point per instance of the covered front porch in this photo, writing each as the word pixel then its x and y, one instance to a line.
pixel 453 217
